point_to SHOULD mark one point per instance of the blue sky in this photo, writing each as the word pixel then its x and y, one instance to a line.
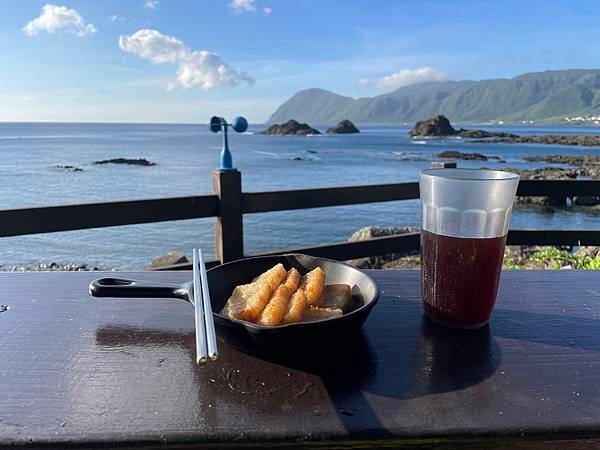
pixel 185 60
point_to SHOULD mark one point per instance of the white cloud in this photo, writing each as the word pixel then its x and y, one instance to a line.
pixel 194 68
pixel 30 99
pixel 151 4
pixel 267 10
pixel 59 18
pixel 406 77
pixel 152 45
pixel 115 17
pixel 240 6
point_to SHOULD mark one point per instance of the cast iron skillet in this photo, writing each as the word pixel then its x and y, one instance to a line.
pixel 250 337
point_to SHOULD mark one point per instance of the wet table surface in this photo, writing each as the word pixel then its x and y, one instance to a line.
pixel 85 372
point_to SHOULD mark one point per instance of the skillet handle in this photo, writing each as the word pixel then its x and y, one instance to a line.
pixel 117 287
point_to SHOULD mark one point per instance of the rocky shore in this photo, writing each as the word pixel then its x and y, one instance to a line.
pixel 55 267
pixel 439 126
pixel 554 139
pixel 515 257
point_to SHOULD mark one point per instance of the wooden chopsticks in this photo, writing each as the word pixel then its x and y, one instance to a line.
pixel 206 339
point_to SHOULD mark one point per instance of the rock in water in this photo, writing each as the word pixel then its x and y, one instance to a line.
pixel 290 128
pixel 436 126
pixel 169 259
pixel 453 154
pixel 133 162
pixel 69 168
pixel 344 127
pixel 440 126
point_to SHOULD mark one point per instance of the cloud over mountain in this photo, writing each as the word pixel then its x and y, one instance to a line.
pixel 406 77
pixel 194 68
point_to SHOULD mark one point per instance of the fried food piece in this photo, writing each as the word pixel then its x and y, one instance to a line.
pixel 337 296
pixel 315 314
pixel 292 282
pixel 273 313
pixel 273 277
pixel 297 306
pixel 248 301
pixel 313 283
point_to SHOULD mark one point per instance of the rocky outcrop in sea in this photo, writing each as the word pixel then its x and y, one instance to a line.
pixel 290 128
pixel 453 154
pixel 436 126
pixel 588 170
pixel 68 168
pixel 127 161
pixel 439 126
pixel 343 127
pixel 553 139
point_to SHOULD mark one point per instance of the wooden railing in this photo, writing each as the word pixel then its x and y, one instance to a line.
pixel 228 204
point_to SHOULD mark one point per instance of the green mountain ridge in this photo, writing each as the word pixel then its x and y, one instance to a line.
pixel 541 97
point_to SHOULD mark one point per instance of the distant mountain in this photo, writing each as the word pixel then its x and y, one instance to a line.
pixel 541 97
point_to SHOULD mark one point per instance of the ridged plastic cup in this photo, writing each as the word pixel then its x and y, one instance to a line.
pixel 465 219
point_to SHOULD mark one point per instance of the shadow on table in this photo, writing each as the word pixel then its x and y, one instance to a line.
pixel 403 359
pixel 420 359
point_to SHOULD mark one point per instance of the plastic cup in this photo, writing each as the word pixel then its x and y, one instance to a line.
pixel 465 218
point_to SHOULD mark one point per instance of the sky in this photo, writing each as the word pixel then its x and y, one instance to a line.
pixel 183 61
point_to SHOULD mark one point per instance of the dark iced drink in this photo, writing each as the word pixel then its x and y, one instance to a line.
pixel 459 278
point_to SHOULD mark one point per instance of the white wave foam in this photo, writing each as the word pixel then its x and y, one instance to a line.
pixel 265 153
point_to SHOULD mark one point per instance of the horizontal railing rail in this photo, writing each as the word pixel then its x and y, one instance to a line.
pixel 558 188
pixel 47 219
pixel 410 243
pixel 261 202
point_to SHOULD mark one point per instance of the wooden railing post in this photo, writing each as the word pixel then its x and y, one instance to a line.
pixel 229 232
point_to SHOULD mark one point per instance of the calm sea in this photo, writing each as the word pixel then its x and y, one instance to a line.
pixel 184 157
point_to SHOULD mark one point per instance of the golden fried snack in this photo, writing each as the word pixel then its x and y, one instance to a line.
pixel 338 296
pixel 314 314
pixel 313 283
pixel 292 281
pixel 248 301
pixel 273 313
pixel 296 307
pixel 273 277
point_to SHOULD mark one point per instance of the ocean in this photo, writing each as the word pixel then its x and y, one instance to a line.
pixel 185 155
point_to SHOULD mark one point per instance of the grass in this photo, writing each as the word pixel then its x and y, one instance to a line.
pixel 556 259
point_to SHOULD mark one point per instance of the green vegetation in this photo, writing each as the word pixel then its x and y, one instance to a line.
pixel 543 96
pixel 554 258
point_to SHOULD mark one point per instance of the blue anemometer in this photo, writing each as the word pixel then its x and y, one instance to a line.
pixel 217 124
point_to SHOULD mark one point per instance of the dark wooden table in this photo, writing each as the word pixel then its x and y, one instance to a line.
pixel 80 371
